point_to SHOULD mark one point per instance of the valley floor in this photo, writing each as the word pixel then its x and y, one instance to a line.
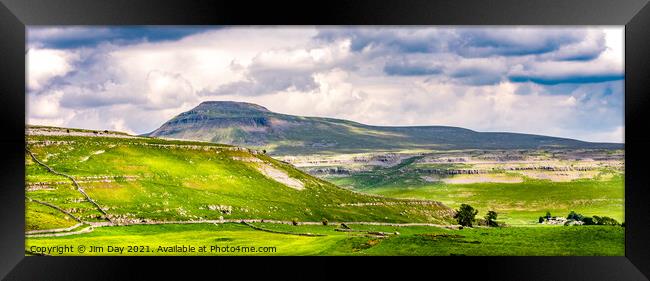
pixel 520 185
pixel 282 239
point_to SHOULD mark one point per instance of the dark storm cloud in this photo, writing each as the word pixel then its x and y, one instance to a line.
pixel 476 77
pixel 509 42
pixel 573 79
pixel 94 82
pixel 469 41
pixel 75 37
pixel 442 51
pixel 395 39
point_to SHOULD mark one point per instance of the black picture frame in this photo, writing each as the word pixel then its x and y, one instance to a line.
pixel 15 15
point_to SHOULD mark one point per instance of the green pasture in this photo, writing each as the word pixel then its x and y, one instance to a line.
pixel 417 240
pixel 521 203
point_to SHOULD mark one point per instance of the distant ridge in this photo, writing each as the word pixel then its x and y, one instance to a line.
pixel 252 125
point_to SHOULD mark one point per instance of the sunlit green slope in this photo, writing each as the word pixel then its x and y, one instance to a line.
pixel 135 180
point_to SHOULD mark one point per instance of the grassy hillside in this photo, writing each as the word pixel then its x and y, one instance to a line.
pixel 143 179
pixel 254 126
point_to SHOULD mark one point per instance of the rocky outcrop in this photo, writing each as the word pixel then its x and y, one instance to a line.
pixel 224 209
pixel 280 176
pixel 551 168
pixel 452 171
pixel 329 171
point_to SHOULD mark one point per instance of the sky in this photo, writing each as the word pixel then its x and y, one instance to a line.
pixel 556 81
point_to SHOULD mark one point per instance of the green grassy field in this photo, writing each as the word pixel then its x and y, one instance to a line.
pixel 420 240
pixel 44 217
pixel 518 203
pixel 523 203
pixel 140 180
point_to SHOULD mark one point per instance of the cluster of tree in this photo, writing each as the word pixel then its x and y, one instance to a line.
pixel 595 220
pixel 573 217
pixel 466 216
pixel 605 221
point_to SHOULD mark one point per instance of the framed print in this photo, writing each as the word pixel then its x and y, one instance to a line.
pixel 493 140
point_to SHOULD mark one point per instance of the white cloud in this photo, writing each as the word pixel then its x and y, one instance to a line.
pixel 44 65
pixel 165 90
pixel 615 42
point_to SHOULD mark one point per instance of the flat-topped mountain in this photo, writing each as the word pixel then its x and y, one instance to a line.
pixel 251 125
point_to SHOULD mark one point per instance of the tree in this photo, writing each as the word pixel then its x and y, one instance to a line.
pixel 490 218
pixel 605 221
pixel 465 215
pixel 574 216
pixel 324 221
pixel 548 215
pixel 588 221
pixel 541 219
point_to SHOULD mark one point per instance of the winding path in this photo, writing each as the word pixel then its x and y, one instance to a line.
pixel 53 230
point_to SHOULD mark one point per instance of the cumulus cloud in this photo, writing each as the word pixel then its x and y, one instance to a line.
pixel 288 69
pixel 164 90
pixel 564 81
pixel 44 64
pixel 46 105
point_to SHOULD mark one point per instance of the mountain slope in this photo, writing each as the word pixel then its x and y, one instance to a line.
pixel 135 180
pixel 254 126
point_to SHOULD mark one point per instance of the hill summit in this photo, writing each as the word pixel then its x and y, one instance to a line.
pixel 254 126
pixel 228 108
